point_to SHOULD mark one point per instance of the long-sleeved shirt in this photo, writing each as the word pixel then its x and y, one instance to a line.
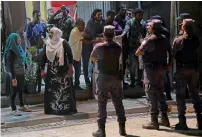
pixel 76 43
pixel 156 49
pixel 120 21
pixel 95 29
pixel 13 65
pixel 35 30
pixel 118 28
pixel 134 30
pixel 68 58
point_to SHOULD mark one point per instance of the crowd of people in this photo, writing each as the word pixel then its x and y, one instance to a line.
pixel 144 48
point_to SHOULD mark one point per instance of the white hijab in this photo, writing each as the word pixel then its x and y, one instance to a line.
pixel 54 46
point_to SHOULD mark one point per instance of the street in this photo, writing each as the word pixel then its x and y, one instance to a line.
pixel 84 128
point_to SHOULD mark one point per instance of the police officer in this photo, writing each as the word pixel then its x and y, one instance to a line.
pixel 185 52
pixel 108 66
pixel 181 18
pixel 134 29
pixel 154 49
pixel 165 32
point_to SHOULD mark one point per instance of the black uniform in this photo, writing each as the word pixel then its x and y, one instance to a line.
pixel 108 65
pixel 185 52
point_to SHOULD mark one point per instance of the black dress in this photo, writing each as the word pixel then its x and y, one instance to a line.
pixel 58 98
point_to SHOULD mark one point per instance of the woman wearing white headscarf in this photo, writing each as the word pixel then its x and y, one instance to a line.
pixel 58 97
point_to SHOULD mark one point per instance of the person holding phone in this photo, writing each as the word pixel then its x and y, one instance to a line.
pixel 63 21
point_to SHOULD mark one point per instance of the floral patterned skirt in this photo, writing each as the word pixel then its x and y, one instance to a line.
pixel 58 97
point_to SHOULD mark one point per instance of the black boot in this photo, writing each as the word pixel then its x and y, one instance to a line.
pixel 153 124
pixel 164 120
pixel 100 132
pixel 199 121
pixel 122 130
pixel 182 125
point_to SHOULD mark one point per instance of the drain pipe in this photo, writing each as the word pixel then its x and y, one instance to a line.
pixel 139 4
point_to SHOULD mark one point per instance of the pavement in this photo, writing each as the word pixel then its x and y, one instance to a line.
pixel 85 128
pixel 86 110
pixel 81 95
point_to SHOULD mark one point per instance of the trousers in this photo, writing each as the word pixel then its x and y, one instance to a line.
pixel 77 68
pixel 109 84
pixel 184 77
pixel 154 88
pixel 135 72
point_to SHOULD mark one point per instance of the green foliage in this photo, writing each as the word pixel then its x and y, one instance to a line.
pixel 31 70
pixel 32 50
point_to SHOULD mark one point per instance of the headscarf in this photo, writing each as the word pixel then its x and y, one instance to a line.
pixel 55 46
pixel 11 44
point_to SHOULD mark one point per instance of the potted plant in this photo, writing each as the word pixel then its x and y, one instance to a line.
pixel 31 71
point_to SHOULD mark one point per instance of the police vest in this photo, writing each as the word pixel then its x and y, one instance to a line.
pixel 188 52
pixel 157 51
pixel 109 60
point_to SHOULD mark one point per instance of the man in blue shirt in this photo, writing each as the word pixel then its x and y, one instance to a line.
pixel 36 30
pixel 35 33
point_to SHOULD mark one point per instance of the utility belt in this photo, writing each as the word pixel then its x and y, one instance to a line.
pixel 154 65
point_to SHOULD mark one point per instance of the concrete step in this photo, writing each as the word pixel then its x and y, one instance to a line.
pixel 88 109
pixel 38 117
pixel 81 95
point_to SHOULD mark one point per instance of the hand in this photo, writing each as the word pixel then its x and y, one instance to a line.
pixel 58 12
pixel 86 41
pixel 43 75
pixel 119 37
pixel 100 39
pixel 14 82
pixel 140 40
pixel 169 67
pixel 85 35
pixel 70 72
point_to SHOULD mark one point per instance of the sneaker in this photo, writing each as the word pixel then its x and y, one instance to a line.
pixel 16 113
pixel 25 109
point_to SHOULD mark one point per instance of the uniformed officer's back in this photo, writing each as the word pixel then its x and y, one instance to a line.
pixel 185 49
pixel 107 60
pixel 108 55
pixel 158 46
pixel 186 52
